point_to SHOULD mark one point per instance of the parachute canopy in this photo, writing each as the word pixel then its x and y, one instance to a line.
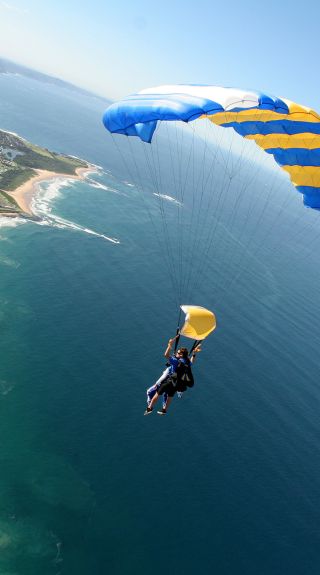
pixel 287 131
pixel 199 322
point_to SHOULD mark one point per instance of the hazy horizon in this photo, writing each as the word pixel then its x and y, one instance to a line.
pixel 119 49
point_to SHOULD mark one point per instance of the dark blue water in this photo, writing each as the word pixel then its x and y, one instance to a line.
pixel 228 482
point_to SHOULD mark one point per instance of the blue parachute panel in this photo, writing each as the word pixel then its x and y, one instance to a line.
pixel 295 156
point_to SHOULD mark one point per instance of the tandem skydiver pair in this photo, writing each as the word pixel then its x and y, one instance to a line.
pixel 177 377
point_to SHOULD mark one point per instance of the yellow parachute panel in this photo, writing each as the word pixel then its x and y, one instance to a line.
pixel 199 322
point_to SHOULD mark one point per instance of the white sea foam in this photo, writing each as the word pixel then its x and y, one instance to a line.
pixel 9 262
pixel 58 557
pixel 98 185
pixel 94 184
pixel 12 222
pixel 61 223
pixel 42 205
pixel 5 387
pixel 13 133
pixel 168 199
pixel 42 200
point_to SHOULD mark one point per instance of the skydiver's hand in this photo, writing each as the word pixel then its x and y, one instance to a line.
pixel 197 349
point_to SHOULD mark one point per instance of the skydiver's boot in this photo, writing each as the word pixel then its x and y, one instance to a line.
pixel 163 411
pixel 148 411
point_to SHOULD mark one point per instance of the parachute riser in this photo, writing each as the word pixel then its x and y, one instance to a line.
pixel 195 344
pixel 177 339
pixel 177 332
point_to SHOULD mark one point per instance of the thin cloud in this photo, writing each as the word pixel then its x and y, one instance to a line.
pixel 12 8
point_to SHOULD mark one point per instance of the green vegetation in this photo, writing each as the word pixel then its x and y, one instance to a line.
pixel 15 177
pixel 18 161
pixel 41 159
pixel 7 203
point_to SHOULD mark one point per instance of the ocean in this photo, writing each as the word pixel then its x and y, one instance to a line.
pixel 229 481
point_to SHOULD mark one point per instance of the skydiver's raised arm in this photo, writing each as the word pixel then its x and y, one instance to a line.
pixel 195 351
pixel 167 353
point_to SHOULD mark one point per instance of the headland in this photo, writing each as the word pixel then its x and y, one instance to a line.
pixel 23 166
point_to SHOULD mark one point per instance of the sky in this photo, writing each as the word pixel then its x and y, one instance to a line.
pixel 118 47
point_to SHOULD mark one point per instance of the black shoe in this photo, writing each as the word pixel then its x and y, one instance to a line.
pixel 148 411
pixel 162 412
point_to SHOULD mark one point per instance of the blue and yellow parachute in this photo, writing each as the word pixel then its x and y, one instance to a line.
pixel 288 131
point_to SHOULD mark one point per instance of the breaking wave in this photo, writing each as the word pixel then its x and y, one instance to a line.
pixel 42 205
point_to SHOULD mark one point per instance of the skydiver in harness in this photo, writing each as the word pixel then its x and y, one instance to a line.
pixel 175 378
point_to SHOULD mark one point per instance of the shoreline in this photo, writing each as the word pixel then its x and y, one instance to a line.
pixel 24 194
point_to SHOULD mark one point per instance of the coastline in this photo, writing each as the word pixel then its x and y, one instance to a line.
pixel 24 194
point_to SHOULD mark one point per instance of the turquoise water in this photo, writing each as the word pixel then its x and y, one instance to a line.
pixel 228 482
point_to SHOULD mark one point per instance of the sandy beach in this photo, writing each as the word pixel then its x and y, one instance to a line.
pixel 24 194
